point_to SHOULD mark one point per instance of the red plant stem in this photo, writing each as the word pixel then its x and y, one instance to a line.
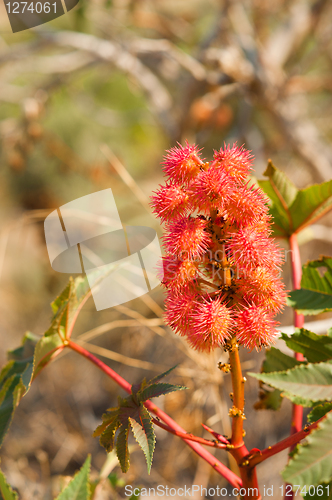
pixel 232 478
pixel 297 410
pixel 258 457
pixel 218 436
pixel 297 413
pixel 190 437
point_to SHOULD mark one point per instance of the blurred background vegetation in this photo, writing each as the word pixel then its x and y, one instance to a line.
pixel 92 100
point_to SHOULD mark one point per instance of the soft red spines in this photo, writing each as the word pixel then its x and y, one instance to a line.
pixel 178 273
pixel 179 310
pixel 250 248
pixel 211 190
pixel 182 164
pixel 237 162
pixel 246 206
pixel 187 238
pixel 170 202
pixel 255 327
pixel 213 324
pixel 263 288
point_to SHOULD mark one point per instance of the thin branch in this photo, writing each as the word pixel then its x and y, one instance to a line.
pixel 258 457
pixel 233 479
pixel 190 437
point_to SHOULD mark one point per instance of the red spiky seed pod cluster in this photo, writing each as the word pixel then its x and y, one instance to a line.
pixel 221 268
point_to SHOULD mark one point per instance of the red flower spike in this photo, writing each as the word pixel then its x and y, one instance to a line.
pixel 170 202
pixel 187 238
pixel 182 164
pixel 255 327
pixel 221 268
pixel 237 162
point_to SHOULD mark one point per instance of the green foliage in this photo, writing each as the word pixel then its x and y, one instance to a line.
pixel 144 434
pixel 282 193
pixel 79 487
pixel 318 412
pixel 315 295
pixel 29 359
pixel 131 412
pixel 6 493
pixel 314 347
pixel 294 209
pixel 303 384
pixel 15 379
pixel 312 464
pixel 116 481
pixel 275 361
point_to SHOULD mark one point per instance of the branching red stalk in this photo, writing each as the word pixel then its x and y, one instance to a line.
pixel 190 437
pixel 297 414
pixel 218 436
pixel 232 478
pixel 258 457
pixel 297 410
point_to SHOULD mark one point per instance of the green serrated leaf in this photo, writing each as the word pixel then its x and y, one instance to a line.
pixel 44 351
pixel 156 379
pixel 144 434
pixel 156 390
pixel 309 303
pixel 312 464
pixel 309 382
pixel 275 360
pixel 79 487
pixel 294 209
pixel 107 436
pixel 318 412
pixel 310 204
pixel 269 400
pixel 297 400
pixel 315 295
pixel 313 280
pixel 15 380
pixel 26 350
pixel 122 450
pixel 107 420
pixel 6 492
pixel 314 347
pixel 67 305
pixel 282 193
